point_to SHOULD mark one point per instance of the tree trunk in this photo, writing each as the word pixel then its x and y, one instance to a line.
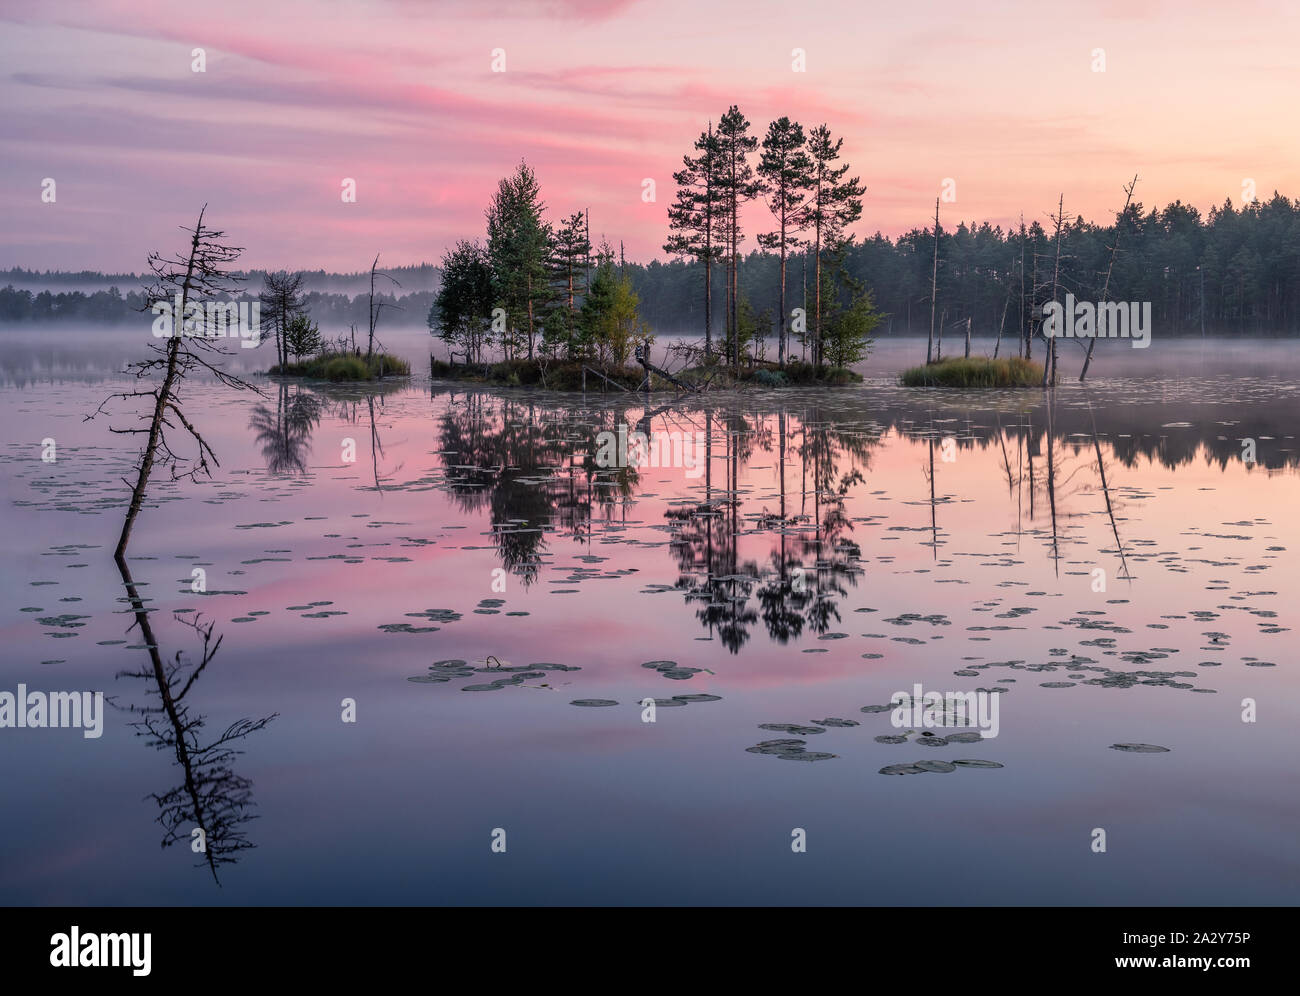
pixel 159 409
pixel 934 284
pixel 780 348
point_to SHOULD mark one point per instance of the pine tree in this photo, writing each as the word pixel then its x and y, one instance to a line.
pixel 694 216
pixel 786 173
pixel 737 185
pixel 833 204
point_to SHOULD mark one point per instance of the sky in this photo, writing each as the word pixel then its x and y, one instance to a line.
pixel 1014 103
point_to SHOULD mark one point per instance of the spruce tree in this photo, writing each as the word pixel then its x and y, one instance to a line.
pixel 568 255
pixel 518 250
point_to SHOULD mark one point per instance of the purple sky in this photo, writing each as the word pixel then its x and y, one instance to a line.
pixel 599 95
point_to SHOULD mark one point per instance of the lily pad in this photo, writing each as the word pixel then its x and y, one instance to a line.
pixel 1140 748
pixel 940 767
pixel 902 769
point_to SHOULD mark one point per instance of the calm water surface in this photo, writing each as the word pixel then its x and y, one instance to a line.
pixel 834 547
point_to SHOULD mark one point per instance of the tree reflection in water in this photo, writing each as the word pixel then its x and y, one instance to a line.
pixel 211 796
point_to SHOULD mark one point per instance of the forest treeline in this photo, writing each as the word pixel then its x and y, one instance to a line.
pixel 1245 260
pixel 334 310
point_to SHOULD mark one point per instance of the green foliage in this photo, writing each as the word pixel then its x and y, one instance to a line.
pixel 569 251
pixel 1250 259
pixel 849 314
pixel 846 335
pixel 801 373
pixel 611 319
pixel 751 327
pixel 342 368
pixel 301 336
pixel 977 371
pixel 597 307
pixel 518 251
pixel 462 310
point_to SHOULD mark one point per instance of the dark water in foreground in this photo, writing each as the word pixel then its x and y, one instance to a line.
pixel 831 549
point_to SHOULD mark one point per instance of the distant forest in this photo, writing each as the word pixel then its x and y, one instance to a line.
pixel 335 300
pixel 1235 269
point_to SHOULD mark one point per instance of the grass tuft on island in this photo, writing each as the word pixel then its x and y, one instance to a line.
pixel 345 367
pixel 975 371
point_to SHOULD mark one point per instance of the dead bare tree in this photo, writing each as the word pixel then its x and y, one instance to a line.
pixel 373 309
pixel 934 283
pixel 1049 361
pixel 189 281
pixel 1002 324
pixel 1105 287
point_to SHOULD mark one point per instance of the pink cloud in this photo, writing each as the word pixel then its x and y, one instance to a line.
pixel 598 96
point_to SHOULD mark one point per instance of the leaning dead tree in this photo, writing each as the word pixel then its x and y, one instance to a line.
pixel 1105 287
pixel 183 286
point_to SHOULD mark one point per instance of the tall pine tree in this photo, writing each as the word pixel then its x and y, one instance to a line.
pixel 786 172
pixel 834 203
pixel 738 184
pixel 693 217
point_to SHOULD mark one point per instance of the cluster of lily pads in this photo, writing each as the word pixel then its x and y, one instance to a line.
pixel 673 670
pixel 676 700
pixel 1077 666
pixel 792 749
pixel 511 674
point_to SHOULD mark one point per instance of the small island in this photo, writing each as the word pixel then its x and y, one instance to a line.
pixel 302 351
pixel 975 371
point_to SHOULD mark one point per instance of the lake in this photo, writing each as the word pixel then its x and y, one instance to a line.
pixel 409 587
